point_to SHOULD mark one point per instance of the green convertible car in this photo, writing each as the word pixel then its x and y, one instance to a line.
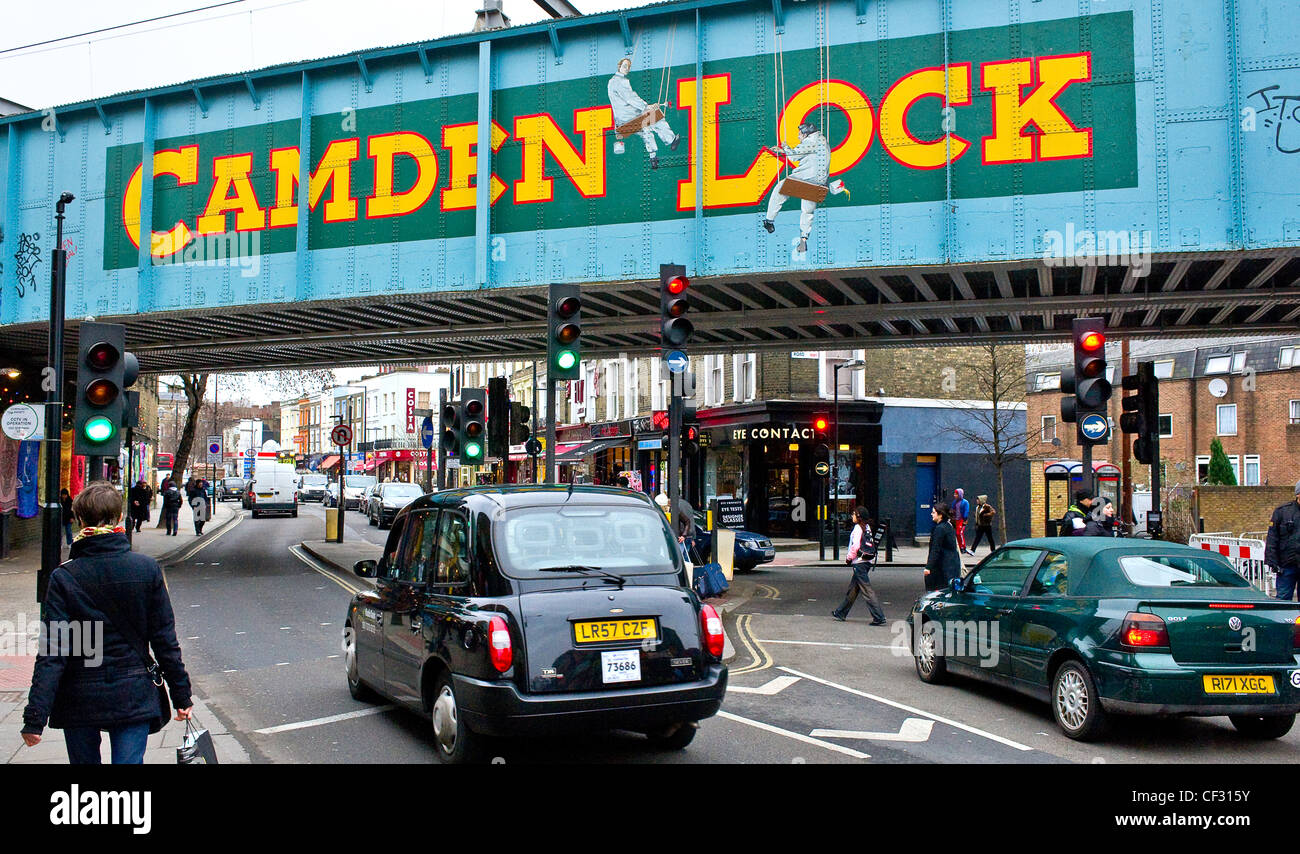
pixel 1097 625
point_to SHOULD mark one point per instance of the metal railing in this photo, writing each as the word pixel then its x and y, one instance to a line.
pixel 1245 553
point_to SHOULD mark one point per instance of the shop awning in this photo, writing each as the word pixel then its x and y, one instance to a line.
pixel 329 462
pixel 573 453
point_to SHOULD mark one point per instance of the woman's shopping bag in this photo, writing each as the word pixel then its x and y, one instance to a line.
pixel 197 747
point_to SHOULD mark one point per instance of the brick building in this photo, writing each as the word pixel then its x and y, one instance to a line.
pixel 1244 392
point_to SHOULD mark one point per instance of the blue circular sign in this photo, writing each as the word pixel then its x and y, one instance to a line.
pixel 677 361
pixel 1094 427
pixel 426 432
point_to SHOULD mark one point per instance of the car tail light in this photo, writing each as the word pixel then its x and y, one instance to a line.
pixel 1295 634
pixel 1143 631
pixel 711 630
pixel 503 654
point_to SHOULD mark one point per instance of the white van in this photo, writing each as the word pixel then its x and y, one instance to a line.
pixel 274 489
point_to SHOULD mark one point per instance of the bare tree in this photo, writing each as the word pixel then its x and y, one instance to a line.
pixel 291 385
pixel 998 375
pixel 194 386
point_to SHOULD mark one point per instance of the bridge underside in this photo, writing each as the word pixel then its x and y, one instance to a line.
pixel 1205 294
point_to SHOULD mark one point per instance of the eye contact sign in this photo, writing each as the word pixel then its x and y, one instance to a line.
pixel 1095 427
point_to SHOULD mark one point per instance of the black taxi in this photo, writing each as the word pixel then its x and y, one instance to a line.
pixel 532 610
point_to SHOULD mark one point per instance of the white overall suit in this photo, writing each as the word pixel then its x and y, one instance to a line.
pixel 627 106
pixel 814 157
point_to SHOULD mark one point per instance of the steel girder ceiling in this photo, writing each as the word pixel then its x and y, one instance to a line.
pixel 1184 295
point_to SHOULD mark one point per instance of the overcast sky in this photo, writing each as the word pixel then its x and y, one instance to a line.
pixel 239 36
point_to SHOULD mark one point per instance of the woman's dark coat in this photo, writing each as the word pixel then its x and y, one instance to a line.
pixel 944 561
pixel 141 497
pixel 67 692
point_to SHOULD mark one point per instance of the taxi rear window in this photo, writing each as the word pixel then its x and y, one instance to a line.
pixel 623 539
pixel 1180 571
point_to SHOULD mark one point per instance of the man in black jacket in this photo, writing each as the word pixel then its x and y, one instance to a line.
pixel 1075 521
pixel 1282 548
pixel 84 691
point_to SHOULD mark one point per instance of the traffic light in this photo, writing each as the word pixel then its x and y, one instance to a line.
pixel 821 425
pixel 473 411
pixel 449 428
pixel 1085 384
pixel 498 422
pixel 675 329
pixel 104 371
pixel 690 439
pixel 520 419
pixel 564 333
pixel 1142 412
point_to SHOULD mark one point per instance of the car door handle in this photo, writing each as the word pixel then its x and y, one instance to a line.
pixel 1004 611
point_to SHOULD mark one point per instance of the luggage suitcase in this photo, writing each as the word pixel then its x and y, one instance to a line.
pixel 650 117
pixel 806 190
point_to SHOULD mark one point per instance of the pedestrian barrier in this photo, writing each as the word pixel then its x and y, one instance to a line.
pixel 1246 555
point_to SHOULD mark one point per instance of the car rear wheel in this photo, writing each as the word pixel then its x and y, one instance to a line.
pixel 1075 703
pixel 674 737
pixel 1263 726
pixel 371 519
pixel 454 742
pixel 358 689
pixel 930 666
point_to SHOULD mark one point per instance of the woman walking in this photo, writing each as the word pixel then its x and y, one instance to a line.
pixel 65 501
pixel 862 553
pixel 944 562
pixel 171 508
pixel 116 687
pixel 140 497
pixel 984 513
pixel 197 493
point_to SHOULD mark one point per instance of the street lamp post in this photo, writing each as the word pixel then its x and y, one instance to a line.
pixel 852 365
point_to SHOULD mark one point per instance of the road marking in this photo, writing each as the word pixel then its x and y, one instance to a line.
pixel 192 637
pixel 806 739
pixel 284 628
pixel 207 541
pixel 830 643
pixel 241 633
pixel 359 713
pixel 282 664
pixel 297 552
pixel 230 671
pixel 761 660
pixel 912 730
pixel 768 689
pixel 949 721
pixel 767 591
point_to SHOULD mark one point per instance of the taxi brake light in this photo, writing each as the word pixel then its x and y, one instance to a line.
pixel 711 630
pixel 499 646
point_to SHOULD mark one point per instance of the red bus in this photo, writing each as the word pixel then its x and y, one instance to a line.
pixel 162 462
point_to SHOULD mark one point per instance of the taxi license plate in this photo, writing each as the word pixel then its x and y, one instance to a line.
pixel 620 665
pixel 605 631
pixel 1238 684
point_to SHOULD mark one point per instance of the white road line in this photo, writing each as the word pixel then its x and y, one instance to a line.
pixel 838 748
pixel 913 729
pixel 359 713
pixel 949 721
pixel 296 552
pixel 241 633
pixel 283 628
pixel 282 664
pixel 773 686
pixel 230 671
pixel 827 643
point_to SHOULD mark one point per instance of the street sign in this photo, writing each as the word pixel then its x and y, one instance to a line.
pixel 22 422
pixel 534 446
pixel 822 469
pixel 426 432
pixel 1095 427
pixel 341 435
pixel 250 453
pixel 677 361
pixel 214 449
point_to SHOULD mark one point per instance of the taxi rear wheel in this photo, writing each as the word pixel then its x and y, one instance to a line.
pixel 1075 703
pixel 1263 726
pixel 454 742
pixel 358 689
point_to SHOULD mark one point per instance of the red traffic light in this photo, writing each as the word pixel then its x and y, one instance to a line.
pixel 692 433
pixel 474 408
pixel 568 307
pixel 1092 341
pixel 820 423
pixel 677 284
pixel 102 356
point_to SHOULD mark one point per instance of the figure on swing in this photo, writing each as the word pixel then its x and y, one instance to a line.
pixel 632 115
pixel 807 181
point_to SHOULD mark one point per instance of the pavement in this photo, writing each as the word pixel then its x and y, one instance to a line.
pixel 18 607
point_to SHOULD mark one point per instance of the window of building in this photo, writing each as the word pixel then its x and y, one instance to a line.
pixel 1238 362
pixel 631 384
pixel 1166 425
pixel 713 368
pixel 826 382
pixel 1049 381
pixel 1049 428
pixel 658 385
pixel 1218 364
pixel 1252 470
pixel 1288 357
pixel 744 379
pixel 610 390
pixel 1165 369
pixel 1227 419
pixel 1295 412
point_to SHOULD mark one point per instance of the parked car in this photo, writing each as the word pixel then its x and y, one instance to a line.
pixel 231 488
pixel 311 487
pixel 387 498
pixel 1099 626
pixel 750 550
pixel 273 489
pixel 518 610
pixel 354 488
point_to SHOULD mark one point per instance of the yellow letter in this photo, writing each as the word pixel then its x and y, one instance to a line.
pixel 231 172
pixel 540 134
pixel 1057 138
pixel 383 149
pixel 922 83
pixel 335 168
pixel 181 163
pixel 460 140
pixel 284 162
pixel 719 191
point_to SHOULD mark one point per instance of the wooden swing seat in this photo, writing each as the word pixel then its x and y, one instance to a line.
pixel 649 118
pixel 793 187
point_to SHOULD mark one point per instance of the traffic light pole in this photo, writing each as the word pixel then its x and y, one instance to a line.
pixel 51 522
pixel 532 434
pixel 550 428
pixel 442 447
pixel 674 443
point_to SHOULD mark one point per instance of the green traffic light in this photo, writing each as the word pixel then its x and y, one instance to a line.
pixel 473 450
pixel 99 429
pixel 566 359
